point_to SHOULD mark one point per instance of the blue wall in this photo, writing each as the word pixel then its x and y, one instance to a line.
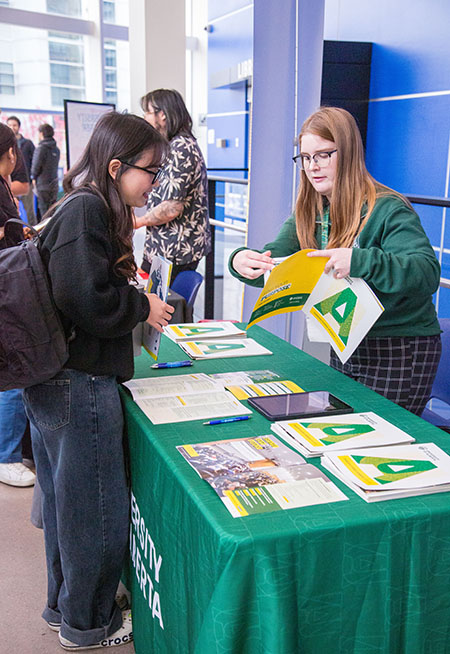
pixel 408 137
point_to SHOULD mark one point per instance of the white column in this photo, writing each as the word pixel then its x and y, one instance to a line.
pixel 157 38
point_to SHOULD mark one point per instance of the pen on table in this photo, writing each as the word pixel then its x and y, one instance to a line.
pixel 221 421
pixel 172 364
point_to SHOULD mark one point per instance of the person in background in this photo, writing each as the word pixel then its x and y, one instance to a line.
pixel 44 169
pixel 26 147
pixel 76 417
pixel 366 230
pixel 177 219
pixel 12 413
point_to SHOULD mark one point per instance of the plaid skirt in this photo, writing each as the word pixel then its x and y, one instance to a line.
pixel 401 368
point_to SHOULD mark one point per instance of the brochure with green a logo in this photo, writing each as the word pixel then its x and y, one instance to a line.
pixel 244 347
pixel 341 312
pixel 317 436
pixel 382 473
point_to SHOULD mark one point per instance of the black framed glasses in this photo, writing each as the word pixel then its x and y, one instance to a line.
pixel 322 159
pixel 156 175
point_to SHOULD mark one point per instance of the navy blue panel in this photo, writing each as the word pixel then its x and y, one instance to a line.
pixel 350 81
pixel 347 52
pixel 407 144
pixel 217 8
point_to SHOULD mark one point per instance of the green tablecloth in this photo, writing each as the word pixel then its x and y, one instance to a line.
pixel 348 577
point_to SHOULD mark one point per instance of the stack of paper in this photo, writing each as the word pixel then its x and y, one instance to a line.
pixel 259 474
pixel 317 436
pixel 385 473
pixel 179 398
pixel 203 331
pixel 218 349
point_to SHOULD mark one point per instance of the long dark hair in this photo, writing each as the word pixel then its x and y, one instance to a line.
pixel 7 140
pixel 171 103
pixel 115 136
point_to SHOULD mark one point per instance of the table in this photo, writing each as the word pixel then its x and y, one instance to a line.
pixel 339 578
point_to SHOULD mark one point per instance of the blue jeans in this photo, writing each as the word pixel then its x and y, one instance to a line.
pixel 77 434
pixel 13 421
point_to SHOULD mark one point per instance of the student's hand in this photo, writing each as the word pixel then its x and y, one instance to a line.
pixel 252 264
pixel 339 260
pixel 160 312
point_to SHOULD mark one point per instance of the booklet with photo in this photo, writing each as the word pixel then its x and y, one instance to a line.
pixel 317 436
pixel 384 473
pixel 341 312
pixel 203 331
pixel 219 349
pixel 158 283
pixel 259 474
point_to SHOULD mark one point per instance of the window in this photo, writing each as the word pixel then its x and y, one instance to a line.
pixel 61 93
pixel 64 7
pixel 6 78
pixel 109 11
pixel 110 47
pixel 66 58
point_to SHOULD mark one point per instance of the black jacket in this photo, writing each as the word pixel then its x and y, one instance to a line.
pixel 102 306
pixel 27 149
pixel 44 167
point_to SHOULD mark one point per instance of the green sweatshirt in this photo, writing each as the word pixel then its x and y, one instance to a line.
pixel 394 256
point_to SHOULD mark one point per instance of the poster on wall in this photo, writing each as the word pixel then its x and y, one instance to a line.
pixel 80 119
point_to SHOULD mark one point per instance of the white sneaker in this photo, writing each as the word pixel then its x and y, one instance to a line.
pixel 16 474
pixel 122 636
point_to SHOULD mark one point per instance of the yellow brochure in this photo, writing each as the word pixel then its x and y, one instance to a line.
pixel 288 286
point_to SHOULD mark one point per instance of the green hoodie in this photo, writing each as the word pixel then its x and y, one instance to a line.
pixel 394 256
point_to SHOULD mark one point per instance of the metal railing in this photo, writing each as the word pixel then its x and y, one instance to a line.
pixel 210 259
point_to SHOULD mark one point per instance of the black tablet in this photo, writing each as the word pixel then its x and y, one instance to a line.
pixel 299 405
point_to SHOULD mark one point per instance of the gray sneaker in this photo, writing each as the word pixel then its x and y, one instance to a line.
pixel 122 636
pixel 16 474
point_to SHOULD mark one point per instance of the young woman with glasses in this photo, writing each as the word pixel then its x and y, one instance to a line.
pixel 366 230
pixel 76 417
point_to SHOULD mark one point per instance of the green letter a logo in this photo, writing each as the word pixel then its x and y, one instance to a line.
pixel 342 307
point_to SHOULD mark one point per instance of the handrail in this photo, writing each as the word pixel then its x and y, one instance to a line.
pixel 230 180
pixel 213 179
pixel 235 228
pixel 428 199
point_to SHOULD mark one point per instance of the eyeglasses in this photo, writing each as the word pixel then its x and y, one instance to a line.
pixel 156 111
pixel 156 175
pixel 322 159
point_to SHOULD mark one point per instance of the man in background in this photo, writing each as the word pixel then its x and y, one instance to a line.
pixel 26 147
pixel 44 168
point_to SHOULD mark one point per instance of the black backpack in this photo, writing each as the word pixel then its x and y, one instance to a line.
pixel 33 345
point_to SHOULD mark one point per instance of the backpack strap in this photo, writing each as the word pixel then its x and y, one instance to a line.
pixel 37 232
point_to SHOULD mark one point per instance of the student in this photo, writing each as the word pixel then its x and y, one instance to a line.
pixel 76 417
pixel 365 230
pixel 13 420
pixel 177 219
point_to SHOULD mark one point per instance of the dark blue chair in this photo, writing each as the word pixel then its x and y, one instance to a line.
pixel 187 284
pixel 441 385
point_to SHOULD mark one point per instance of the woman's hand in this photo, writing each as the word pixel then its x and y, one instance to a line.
pixel 160 312
pixel 252 264
pixel 339 260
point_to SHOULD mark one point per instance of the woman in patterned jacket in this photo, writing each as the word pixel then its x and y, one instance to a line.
pixel 177 218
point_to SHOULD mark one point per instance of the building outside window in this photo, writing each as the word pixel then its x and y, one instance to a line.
pixel 6 78
pixel 66 58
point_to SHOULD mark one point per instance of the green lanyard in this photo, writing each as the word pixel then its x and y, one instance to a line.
pixel 325 228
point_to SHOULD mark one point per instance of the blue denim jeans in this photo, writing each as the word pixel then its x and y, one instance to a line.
pixel 77 434
pixel 13 421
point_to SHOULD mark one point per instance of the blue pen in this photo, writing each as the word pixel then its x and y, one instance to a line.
pixel 221 421
pixel 173 364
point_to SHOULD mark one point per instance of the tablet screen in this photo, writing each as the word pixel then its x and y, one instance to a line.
pixel 299 405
